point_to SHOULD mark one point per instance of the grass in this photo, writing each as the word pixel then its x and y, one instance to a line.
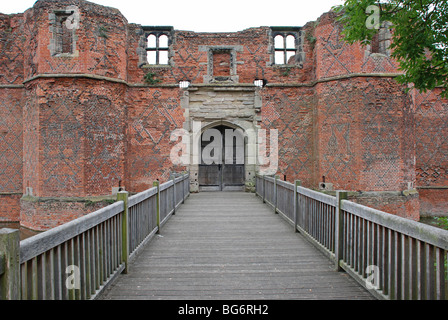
pixel 441 222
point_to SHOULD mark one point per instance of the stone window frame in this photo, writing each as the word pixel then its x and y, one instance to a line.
pixel 158 48
pixel 233 78
pixel 380 44
pixel 57 22
pixel 157 31
pixel 298 35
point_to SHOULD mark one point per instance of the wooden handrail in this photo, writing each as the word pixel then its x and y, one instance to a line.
pixel 79 259
pixel 391 256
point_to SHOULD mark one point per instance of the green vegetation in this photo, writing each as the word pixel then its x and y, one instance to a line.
pixel 419 37
pixel 285 71
pixel 441 222
pixel 150 78
pixel 102 32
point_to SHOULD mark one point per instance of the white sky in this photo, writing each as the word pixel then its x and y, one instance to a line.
pixel 207 15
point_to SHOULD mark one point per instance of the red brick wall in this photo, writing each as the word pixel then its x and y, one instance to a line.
pixel 291 112
pixel 434 202
pixel 221 64
pixel 431 126
pixel 364 137
pixel 101 40
pixel 80 136
pixel 335 57
pixel 431 112
pixel 11 109
pixel 12 49
pixel 10 207
pixel 74 138
pixel 365 125
pixel 190 58
pixel 44 214
pixel 403 205
pixel 11 146
pixel 152 115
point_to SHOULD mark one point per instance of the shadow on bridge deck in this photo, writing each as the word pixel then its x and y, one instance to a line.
pixel 229 245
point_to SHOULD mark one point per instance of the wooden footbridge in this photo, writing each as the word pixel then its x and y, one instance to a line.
pixel 285 242
pixel 229 245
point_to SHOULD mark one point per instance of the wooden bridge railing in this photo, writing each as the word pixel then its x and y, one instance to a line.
pixel 393 257
pixel 77 260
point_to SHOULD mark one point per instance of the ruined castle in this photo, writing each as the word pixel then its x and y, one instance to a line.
pixel 89 102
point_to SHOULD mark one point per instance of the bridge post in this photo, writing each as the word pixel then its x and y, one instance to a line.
pixel 275 193
pixel 297 183
pixel 124 196
pixel 174 193
pixel 339 236
pixel 9 264
pixel 157 185
pixel 183 186
pixel 264 188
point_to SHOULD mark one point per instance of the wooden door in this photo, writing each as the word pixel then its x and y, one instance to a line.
pixel 225 174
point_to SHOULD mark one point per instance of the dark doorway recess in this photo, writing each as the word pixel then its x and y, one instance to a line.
pixel 226 172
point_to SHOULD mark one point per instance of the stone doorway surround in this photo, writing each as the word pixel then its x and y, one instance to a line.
pixel 235 106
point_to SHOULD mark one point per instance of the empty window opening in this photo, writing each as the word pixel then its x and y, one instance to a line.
pixel 375 44
pixel 260 83
pixel 184 84
pixel 64 36
pixel 163 41
pixel 152 41
pixel 221 63
pixel 279 50
pixel 381 40
pixel 285 49
pixel 157 49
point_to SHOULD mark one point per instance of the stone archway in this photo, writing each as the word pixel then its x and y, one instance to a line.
pixel 222 159
pixel 233 168
pixel 230 105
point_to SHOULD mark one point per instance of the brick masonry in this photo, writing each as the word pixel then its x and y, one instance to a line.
pixel 75 125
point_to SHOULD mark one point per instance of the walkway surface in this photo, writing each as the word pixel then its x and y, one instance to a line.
pixel 229 245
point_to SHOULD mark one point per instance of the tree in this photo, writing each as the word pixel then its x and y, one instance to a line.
pixel 419 36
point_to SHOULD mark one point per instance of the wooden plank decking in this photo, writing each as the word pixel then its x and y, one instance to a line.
pixel 229 245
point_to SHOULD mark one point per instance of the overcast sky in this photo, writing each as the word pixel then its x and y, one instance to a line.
pixel 207 15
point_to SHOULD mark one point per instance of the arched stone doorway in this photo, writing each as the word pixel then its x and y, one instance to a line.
pixel 227 105
pixel 222 159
